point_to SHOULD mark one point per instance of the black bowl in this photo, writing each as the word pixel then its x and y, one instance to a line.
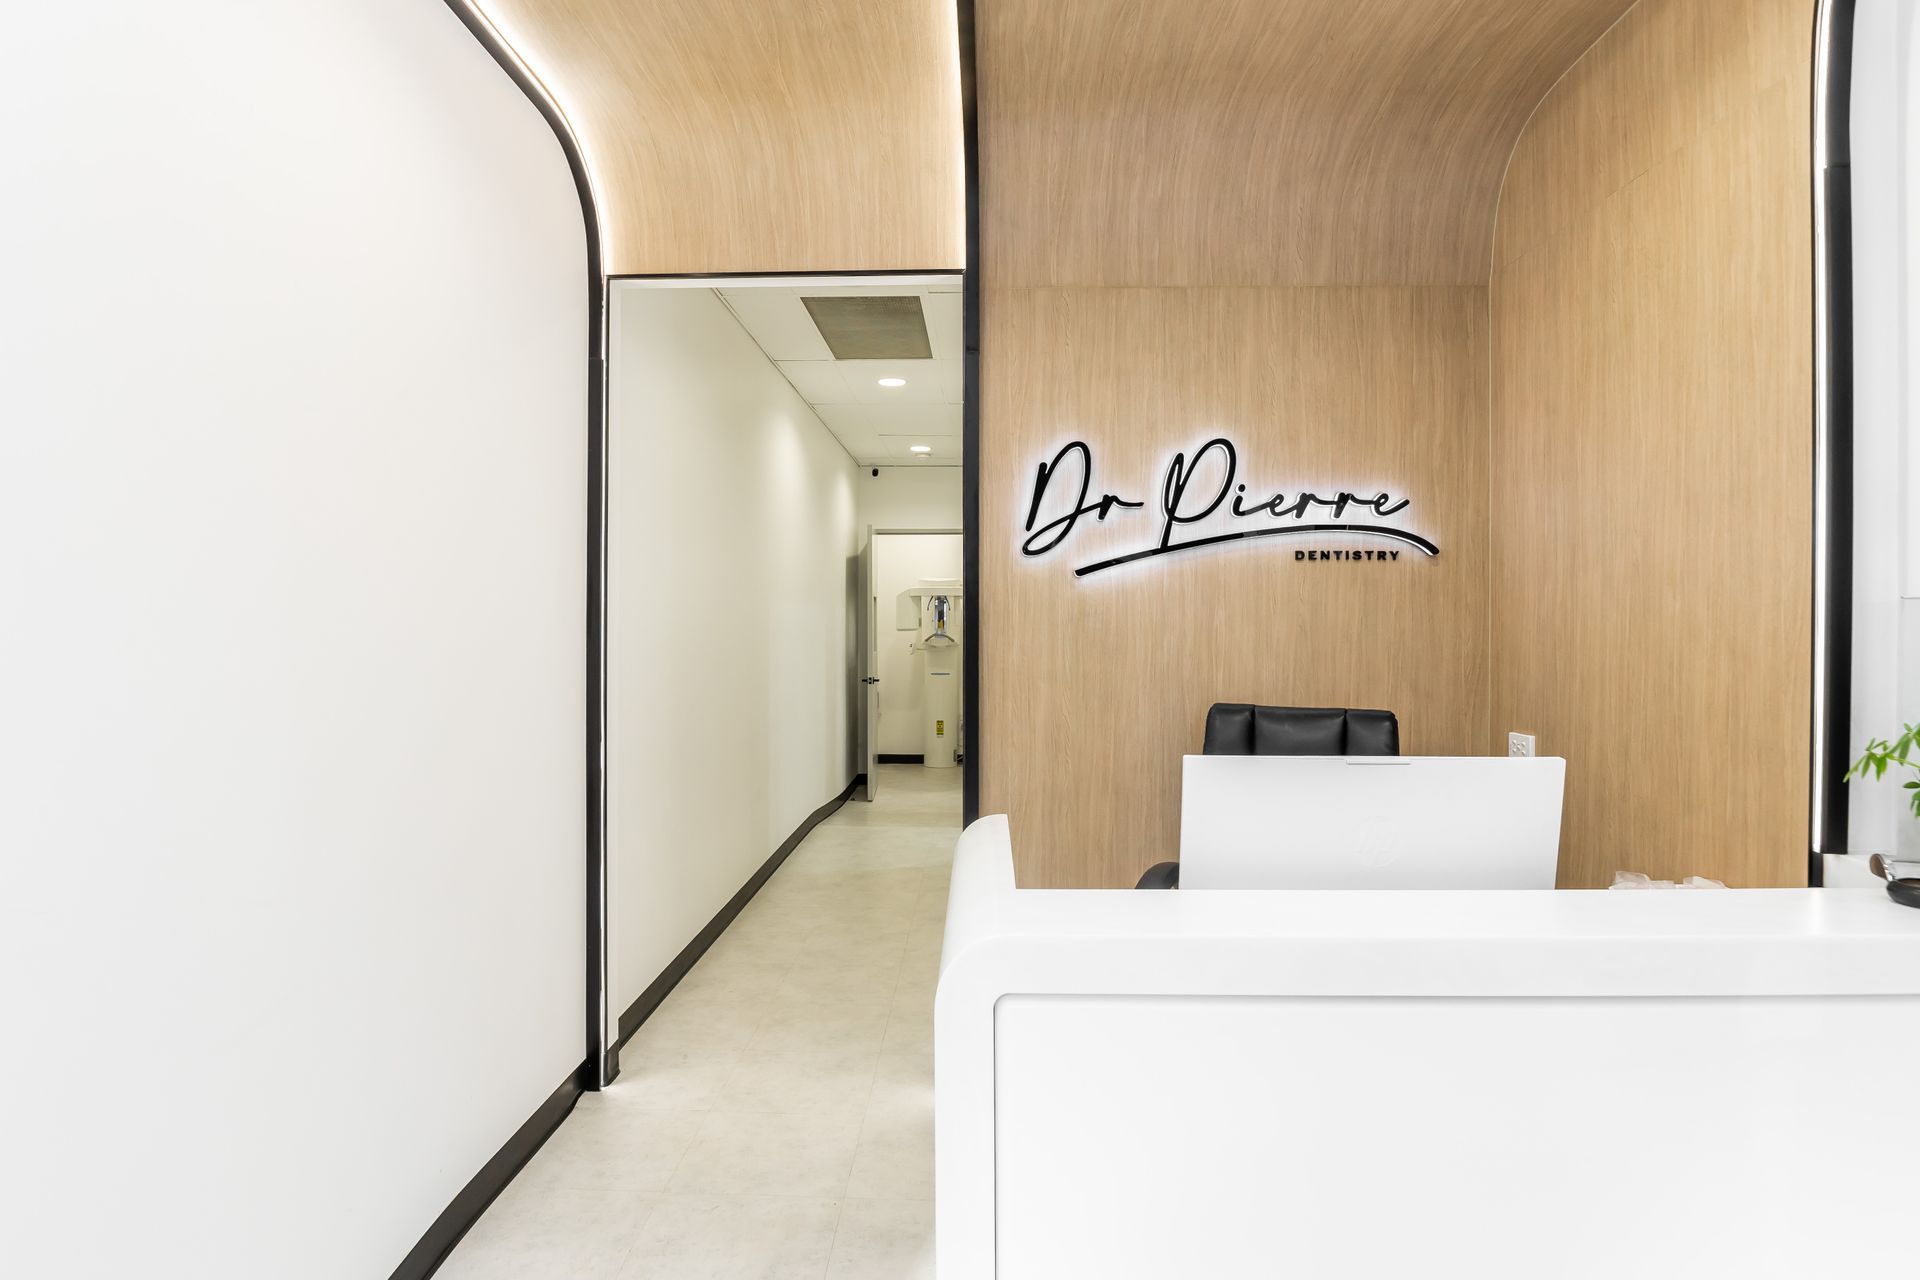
pixel 1905 891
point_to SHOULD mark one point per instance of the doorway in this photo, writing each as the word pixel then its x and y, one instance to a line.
pixel 758 429
pixel 913 677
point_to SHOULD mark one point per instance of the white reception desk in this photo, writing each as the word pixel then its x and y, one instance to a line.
pixel 1415 1084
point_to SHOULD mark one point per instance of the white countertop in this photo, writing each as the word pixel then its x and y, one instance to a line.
pixel 1423 942
pixel 1040 1129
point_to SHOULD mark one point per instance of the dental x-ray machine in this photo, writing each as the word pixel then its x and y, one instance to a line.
pixel 933 609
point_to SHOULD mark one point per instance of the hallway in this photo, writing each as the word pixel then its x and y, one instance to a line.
pixel 774 1117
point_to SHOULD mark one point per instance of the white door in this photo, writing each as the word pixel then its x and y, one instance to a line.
pixel 869 672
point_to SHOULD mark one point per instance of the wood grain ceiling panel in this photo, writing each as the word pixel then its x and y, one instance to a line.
pixel 744 136
pixel 1238 142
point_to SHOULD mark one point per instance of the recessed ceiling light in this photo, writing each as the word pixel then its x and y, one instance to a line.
pixel 919 448
pixel 893 382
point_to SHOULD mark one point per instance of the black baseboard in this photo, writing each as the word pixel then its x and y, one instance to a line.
pixel 890 759
pixel 485 1186
pixel 649 1000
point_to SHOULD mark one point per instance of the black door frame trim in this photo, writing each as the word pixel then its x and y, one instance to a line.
pixel 1832 204
pixel 971 727
pixel 491 40
pixel 601 1042
pixel 969 276
pixel 657 991
pixel 600 1037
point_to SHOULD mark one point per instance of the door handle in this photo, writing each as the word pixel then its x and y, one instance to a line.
pixel 869 679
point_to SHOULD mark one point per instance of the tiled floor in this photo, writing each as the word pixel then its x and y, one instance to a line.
pixel 774 1118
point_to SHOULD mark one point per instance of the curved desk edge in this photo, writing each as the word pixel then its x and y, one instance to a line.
pixel 1002 940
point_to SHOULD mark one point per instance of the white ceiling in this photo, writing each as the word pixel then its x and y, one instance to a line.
pixel 875 424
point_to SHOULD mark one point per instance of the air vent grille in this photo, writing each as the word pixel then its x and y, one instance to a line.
pixel 871 328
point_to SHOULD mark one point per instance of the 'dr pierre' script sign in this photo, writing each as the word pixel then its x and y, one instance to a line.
pixel 1299 515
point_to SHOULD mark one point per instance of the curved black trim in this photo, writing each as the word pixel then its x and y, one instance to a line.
pixel 661 987
pixel 1832 199
pixel 485 1186
pixel 596 531
pixel 970 727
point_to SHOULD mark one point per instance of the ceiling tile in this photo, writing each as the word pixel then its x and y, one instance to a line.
pixel 900 448
pixel 942 311
pixel 819 381
pixel 864 448
pixel 779 323
pixel 952 374
pixel 843 418
pixel 874 424
pixel 926 419
pixel 924 383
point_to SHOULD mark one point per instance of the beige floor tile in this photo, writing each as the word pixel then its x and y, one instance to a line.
pixel 913 999
pixel 796 1027
pixel 927 939
pixel 617 1148
pixel 585 1233
pixel 864 983
pixel 903 1077
pixel 920 967
pixel 754 1154
pixel 720 973
pixel 773 1118
pixel 883 1240
pixel 894 1158
pixel 822 1082
pixel 664 1081
pixel 765 921
pixel 908 1031
pixel 734 1238
pixel 929 909
pixel 714 1027
pixel 842 945
pixel 831 886
pixel 769 951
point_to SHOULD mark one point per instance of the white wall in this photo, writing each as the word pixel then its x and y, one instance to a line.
pixel 291 703
pixel 910 498
pixel 1886 581
pixel 730 649
pixel 902 560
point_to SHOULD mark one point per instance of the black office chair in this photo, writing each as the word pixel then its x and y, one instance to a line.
pixel 1243 729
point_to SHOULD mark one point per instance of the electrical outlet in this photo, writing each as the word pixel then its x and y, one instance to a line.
pixel 1520 746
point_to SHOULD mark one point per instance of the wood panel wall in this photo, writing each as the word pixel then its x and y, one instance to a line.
pixel 744 136
pixel 1269 221
pixel 1651 461
pixel 1095 687
pixel 1277 222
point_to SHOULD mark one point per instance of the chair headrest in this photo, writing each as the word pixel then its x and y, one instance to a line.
pixel 1247 729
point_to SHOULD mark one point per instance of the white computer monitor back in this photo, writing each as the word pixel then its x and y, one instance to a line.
pixel 1370 822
